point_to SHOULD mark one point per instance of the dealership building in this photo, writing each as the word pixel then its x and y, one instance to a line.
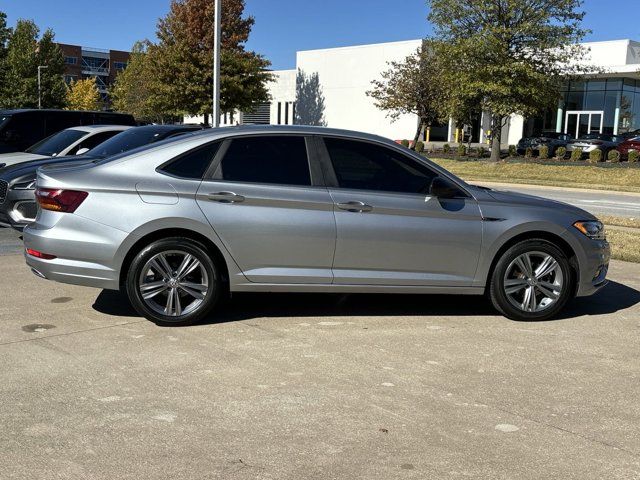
pixel 608 102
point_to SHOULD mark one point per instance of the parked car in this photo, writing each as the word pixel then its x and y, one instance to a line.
pixel 627 145
pixel 19 129
pixel 17 183
pixel 72 141
pixel 553 140
pixel 303 209
pixel 595 141
pixel 631 134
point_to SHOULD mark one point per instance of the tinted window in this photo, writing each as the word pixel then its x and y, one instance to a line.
pixel 57 121
pixel 364 166
pixel 54 144
pixel 93 141
pixel 271 159
pixel 128 140
pixel 194 163
pixel 23 130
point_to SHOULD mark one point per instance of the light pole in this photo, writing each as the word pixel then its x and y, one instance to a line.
pixel 217 29
pixel 40 68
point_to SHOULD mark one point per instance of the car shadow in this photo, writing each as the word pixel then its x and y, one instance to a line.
pixel 245 306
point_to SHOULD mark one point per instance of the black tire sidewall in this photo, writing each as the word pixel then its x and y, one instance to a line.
pixel 178 243
pixel 499 297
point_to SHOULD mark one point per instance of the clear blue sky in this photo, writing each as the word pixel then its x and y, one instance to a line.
pixel 282 26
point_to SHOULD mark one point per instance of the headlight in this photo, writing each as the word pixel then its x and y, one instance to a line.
pixel 30 185
pixel 592 229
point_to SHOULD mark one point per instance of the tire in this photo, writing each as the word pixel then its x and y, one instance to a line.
pixel 523 296
pixel 180 268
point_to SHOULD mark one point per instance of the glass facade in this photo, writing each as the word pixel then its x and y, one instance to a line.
pixel 617 100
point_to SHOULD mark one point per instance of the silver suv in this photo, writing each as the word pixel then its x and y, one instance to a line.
pixel 183 222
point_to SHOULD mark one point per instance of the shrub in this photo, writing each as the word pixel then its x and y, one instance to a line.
pixel 446 148
pixel 543 152
pixel 576 154
pixel 513 151
pixel 462 150
pixel 613 156
pixel 595 156
pixel 528 153
pixel 633 156
pixel 420 147
pixel 405 143
pixel 481 152
pixel 561 152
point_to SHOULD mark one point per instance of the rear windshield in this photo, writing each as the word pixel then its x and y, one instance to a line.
pixel 56 143
pixel 125 141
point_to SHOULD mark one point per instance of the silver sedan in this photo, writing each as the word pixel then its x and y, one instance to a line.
pixel 182 223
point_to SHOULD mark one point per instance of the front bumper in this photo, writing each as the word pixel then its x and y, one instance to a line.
pixel 85 252
pixel 594 268
pixel 18 209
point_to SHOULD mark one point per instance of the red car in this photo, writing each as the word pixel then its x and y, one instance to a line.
pixel 629 144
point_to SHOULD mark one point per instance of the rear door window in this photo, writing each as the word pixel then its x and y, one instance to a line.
pixel 93 141
pixel 276 159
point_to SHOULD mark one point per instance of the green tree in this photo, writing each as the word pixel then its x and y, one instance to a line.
pixel 23 56
pixel 510 54
pixel 413 86
pixel 309 100
pixel 84 95
pixel 5 34
pixel 182 60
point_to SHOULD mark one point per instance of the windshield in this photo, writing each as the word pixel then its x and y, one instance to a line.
pixel 53 145
pixel 596 136
pixel 125 141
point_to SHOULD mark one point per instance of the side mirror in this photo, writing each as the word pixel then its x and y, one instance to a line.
pixel 82 151
pixel 443 188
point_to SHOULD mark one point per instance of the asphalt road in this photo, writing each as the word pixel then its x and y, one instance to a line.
pixel 598 202
pixel 317 387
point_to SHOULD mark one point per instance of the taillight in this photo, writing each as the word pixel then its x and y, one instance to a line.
pixel 66 201
pixel 37 254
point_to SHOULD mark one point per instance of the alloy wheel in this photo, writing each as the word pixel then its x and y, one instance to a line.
pixel 533 281
pixel 173 283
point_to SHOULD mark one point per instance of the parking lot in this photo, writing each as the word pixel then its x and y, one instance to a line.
pixel 315 386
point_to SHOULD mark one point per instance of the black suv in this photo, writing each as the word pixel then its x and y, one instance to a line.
pixel 553 140
pixel 19 129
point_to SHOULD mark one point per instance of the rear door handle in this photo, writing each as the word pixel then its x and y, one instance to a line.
pixel 355 207
pixel 225 197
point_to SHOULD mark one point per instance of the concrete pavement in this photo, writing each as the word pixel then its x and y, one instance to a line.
pixel 598 202
pixel 317 387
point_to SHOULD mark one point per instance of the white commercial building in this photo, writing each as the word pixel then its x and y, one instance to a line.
pixel 607 103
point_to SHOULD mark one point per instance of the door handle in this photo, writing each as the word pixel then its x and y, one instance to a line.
pixel 225 197
pixel 355 207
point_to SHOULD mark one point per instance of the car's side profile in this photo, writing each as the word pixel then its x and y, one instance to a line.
pixel 180 224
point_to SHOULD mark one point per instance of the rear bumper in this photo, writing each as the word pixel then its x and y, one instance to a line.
pixel 84 250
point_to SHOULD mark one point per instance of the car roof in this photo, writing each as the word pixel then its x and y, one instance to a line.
pixel 169 128
pixel 288 129
pixel 101 128
pixel 49 110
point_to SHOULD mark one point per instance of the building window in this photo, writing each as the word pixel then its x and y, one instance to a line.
pixel 119 66
pixel 71 60
pixel 279 113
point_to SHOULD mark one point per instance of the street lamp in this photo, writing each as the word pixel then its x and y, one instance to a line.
pixel 215 121
pixel 40 68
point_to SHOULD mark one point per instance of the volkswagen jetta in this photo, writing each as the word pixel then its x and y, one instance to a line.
pixel 181 223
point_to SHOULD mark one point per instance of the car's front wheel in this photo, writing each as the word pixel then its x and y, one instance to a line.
pixel 532 280
pixel 173 281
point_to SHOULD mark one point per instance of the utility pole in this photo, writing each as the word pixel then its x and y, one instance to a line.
pixel 217 29
pixel 40 68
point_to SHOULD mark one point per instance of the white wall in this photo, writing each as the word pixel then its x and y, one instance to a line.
pixel 346 75
pixel 283 91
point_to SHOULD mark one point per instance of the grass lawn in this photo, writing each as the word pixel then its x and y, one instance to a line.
pixel 625 244
pixel 578 176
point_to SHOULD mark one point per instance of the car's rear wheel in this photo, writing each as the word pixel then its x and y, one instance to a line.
pixel 173 281
pixel 532 280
